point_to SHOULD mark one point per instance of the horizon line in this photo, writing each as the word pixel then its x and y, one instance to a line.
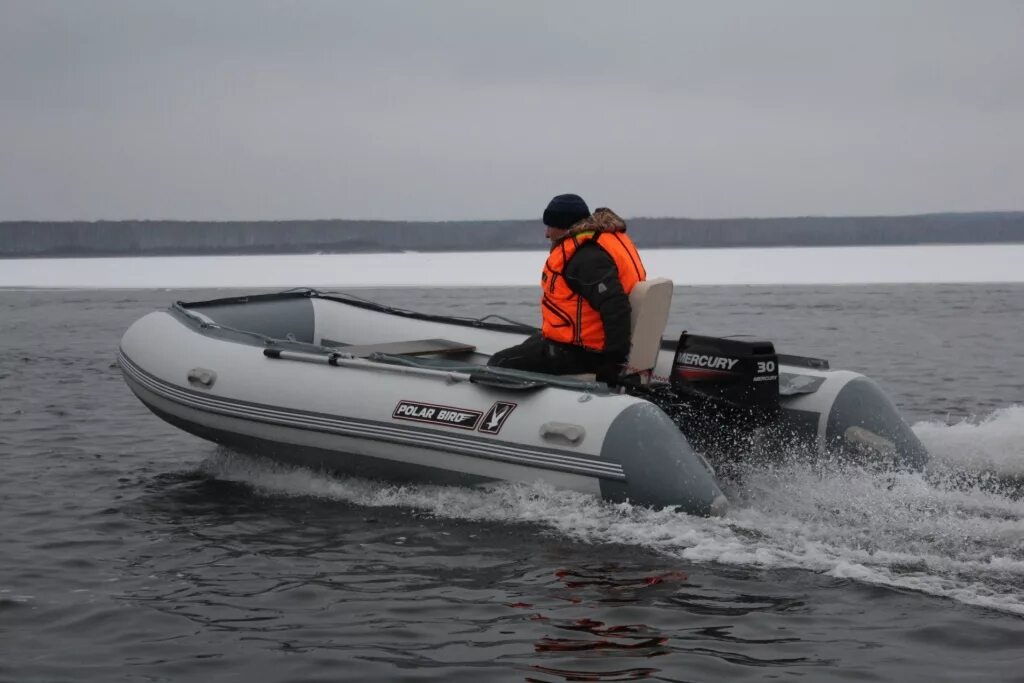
pixel 501 220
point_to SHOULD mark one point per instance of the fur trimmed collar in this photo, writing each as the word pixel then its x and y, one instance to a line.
pixel 602 220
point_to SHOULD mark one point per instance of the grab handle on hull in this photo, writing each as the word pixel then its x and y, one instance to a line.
pixel 563 432
pixel 202 377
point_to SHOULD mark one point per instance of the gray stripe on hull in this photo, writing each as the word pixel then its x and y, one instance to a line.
pixel 354 455
pixel 313 457
pixel 376 431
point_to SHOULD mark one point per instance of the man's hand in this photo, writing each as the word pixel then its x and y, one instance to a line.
pixel 609 372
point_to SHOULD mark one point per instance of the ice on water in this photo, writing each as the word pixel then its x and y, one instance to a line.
pixel 813 265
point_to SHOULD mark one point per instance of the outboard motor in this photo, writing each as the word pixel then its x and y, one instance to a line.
pixel 727 392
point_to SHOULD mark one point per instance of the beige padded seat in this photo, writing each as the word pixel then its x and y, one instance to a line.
pixel 650 302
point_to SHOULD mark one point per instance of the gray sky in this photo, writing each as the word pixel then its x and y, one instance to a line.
pixel 250 109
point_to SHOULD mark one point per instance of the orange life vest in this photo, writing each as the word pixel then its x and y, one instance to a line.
pixel 567 317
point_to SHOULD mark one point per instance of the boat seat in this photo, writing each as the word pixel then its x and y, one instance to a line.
pixel 418 347
pixel 650 302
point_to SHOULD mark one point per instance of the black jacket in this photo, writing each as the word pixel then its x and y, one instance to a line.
pixel 592 274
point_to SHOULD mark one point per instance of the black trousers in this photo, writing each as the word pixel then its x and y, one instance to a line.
pixel 538 354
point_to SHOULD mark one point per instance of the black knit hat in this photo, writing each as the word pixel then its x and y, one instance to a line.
pixel 565 210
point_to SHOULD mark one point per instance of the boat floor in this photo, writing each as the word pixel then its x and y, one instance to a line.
pixel 453 356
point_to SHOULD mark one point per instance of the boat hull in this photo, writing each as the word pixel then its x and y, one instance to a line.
pixel 374 421
pixel 316 380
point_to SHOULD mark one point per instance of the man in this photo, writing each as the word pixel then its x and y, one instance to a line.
pixel 592 267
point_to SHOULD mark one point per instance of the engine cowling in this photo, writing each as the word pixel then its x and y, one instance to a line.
pixel 734 374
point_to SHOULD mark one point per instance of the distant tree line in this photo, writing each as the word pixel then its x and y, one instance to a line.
pixel 151 238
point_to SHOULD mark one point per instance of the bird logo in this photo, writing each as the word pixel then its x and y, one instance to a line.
pixel 496 416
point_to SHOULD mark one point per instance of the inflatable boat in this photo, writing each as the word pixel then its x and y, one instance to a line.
pixel 332 381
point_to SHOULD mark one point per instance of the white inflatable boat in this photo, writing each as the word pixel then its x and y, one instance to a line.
pixel 333 381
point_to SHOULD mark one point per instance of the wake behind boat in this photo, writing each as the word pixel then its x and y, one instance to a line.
pixel 333 381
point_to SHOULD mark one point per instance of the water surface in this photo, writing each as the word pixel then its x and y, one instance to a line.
pixel 134 551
